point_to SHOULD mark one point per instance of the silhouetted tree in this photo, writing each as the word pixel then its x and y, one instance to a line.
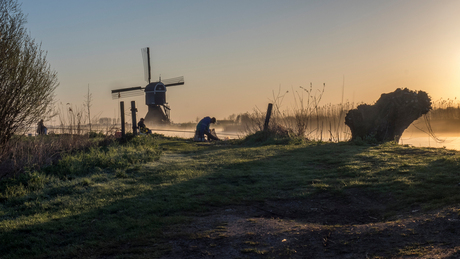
pixel 387 119
pixel 27 83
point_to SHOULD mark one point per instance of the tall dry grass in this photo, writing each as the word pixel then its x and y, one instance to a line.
pixel 72 119
pixel 445 109
pixel 306 118
pixel 309 119
pixel 443 119
pixel 32 153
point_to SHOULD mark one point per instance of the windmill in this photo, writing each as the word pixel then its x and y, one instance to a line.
pixel 155 93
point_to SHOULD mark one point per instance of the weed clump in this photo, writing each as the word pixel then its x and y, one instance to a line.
pixel 275 135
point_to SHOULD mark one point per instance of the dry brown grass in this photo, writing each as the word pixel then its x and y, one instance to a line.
pixel 305 119
pixel 32 153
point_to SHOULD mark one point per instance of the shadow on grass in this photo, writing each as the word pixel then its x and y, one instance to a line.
pixel 336 186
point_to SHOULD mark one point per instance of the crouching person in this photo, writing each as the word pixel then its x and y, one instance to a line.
pixel 142 128
pixel 203 129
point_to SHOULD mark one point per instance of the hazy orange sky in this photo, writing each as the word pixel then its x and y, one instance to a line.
pixel 233 54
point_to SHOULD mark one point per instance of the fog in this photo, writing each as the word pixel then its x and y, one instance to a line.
pixel 437 133
pixel 424 132
pixel 187 130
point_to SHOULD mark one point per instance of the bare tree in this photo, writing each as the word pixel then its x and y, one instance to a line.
pixel 27 82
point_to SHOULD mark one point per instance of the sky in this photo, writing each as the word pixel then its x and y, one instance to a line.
pixel 236 56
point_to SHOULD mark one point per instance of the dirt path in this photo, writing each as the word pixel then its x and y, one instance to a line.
pixel 323 226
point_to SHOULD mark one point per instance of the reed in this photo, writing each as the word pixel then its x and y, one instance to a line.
pixel 33 153
pixel 306 118
pixel 72 118
pixel 444 118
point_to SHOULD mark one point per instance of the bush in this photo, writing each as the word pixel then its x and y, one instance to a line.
pixel 269 137
pixel 26 79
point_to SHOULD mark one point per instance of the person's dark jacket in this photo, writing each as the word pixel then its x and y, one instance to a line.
pixel 203 125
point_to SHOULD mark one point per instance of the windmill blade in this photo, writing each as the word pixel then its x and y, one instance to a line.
pixel 127 92
pixel 146 59
pixel 174 81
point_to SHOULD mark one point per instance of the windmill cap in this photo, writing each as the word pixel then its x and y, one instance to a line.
pixel 155 87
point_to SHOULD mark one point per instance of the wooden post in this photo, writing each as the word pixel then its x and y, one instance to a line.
pixel 133 115
pixel 267 117
pixel 122 110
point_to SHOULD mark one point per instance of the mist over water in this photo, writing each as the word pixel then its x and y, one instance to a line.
pixel 428 141
pixel 436 133
pixel 186 135
pixel 449 141
pixel 444 133
pixel 189 132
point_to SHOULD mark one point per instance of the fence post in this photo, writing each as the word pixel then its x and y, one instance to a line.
pixel 267 117
pixel 122 111
pixel 133 115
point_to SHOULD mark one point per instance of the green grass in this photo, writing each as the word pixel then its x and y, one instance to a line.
pixel 114 201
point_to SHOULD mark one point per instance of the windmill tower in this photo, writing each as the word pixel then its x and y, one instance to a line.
pixel 155 93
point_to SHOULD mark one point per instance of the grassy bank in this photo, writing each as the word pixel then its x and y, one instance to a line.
pixel 136 200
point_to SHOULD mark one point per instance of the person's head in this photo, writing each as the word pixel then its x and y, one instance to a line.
pixel 142 119
pixel 213 120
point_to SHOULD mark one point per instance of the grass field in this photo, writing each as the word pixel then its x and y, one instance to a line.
pixel 168 197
